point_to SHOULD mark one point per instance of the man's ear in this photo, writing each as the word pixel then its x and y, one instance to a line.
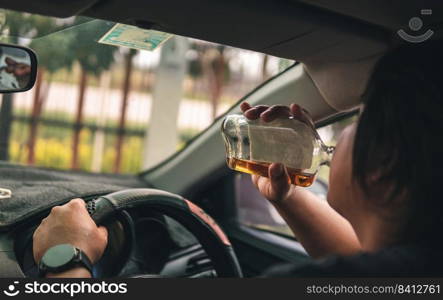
pixel 10 61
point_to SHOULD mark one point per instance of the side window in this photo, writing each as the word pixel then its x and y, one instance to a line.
pixel 255 211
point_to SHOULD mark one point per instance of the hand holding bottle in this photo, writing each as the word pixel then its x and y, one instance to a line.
pixel 264 136
pixel 276 187
pixel 318 227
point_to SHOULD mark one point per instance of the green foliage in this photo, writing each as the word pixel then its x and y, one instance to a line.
pixel 216 57
pixel 54 52
pixel 93 57
pixel 195 68
pixel 19 25
pixel 59 45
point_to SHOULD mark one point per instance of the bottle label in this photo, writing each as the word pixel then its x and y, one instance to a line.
pixel 291 145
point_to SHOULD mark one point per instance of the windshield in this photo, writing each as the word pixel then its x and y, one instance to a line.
pixel 104 107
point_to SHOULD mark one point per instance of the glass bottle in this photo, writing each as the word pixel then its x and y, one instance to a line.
pixel 252 145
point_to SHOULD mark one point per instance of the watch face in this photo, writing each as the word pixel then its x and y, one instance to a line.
pixel 59 255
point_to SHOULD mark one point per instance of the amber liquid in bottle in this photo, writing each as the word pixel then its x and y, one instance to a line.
pixel 260 168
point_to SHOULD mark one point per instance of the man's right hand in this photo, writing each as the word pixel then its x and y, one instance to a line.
pixel 276 187
pixel 70 224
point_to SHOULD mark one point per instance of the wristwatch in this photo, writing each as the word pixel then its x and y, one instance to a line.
pixel 62 258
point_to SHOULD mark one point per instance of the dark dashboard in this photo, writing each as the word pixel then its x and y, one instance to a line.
pixel 141 241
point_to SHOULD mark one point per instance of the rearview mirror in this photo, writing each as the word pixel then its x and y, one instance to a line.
pixel 18 68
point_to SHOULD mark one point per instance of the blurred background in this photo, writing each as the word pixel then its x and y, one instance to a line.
pixel 103 108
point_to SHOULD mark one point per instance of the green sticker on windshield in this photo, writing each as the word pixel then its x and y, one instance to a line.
pixel 134 37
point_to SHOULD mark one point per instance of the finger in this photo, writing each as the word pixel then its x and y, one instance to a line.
pixel 254 113
pixel 301 114
pixel 36 232
pixel 77 203
pixel 274 112
pixel 56 209
pixel 298 112
pixel 279 180
pixel 264 186
pixel 245 106
pixel 295 109
pixel 254 179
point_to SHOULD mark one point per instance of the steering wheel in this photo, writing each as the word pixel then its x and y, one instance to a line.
pixel 211 237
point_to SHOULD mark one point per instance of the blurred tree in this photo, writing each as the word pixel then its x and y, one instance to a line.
pixel 194 61
pixel 56 49
pixel 54 53
pixel 27 26
pixel 10 28
pixel 195 72
pixel 5 125
pixel 216 69
pixel 129 56
pixel 211 63
pixel 93 58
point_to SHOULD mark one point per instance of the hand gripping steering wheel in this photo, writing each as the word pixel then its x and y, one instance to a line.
pixel 204 228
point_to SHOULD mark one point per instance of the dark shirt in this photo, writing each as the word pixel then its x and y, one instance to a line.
pixel 398 261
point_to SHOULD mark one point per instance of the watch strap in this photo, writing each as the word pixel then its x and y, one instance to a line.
pixel 83 260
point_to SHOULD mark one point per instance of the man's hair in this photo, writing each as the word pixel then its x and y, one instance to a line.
pixel 399 143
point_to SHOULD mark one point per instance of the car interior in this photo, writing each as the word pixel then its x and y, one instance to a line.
pixel 158 220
